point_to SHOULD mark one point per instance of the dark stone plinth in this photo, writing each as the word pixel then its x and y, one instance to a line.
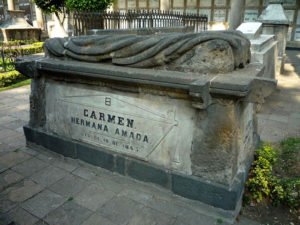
pixel 187 186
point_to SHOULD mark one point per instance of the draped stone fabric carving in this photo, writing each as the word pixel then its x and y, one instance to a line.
pixel 210 51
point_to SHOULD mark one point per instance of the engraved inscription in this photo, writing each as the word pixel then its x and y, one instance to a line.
pixel 115 123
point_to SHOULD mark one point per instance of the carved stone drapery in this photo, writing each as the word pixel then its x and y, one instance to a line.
pixel 211 51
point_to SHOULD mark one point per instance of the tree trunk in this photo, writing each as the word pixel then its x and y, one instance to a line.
pixel 60 23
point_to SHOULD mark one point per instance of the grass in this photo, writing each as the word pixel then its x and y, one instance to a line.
pixel 19 84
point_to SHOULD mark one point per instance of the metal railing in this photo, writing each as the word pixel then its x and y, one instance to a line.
pixel 83 21
pixel 10 51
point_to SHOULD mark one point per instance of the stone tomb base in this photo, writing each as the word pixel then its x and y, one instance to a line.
pixel 192 133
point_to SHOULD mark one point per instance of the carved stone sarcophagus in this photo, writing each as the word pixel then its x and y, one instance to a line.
pixel 174 109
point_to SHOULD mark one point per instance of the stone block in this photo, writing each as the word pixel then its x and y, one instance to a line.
pixel 143 172
pixel 199 189
pixel 95 157
pixel 251 29
pixel 120 165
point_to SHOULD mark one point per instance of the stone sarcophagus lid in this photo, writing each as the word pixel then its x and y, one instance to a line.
pixel 174 109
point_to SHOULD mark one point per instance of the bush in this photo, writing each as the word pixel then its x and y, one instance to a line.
pixel 262 183
pixel 10 78
pixel 28 50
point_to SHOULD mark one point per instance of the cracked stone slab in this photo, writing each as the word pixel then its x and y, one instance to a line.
pixel 9 177
pixel 48 175
pixel 120 210
pixel 30 166
pixel 68 186
pixel 22 217
pixel 12 158
pixel 43 203
pixel 17 194
pixel 69 213
pixel 148 216
pixel 93 196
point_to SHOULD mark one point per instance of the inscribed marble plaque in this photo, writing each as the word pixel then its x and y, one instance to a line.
pixel 154 4
pixel 114 122
pixel 250 15
pixel 205 3
pixel 219 15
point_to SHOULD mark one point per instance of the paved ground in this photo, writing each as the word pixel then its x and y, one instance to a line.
pixel 280 115
pixel 39 187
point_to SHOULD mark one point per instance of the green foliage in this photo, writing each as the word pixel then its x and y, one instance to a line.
pixel 17 42
pixel 289 156
pixel 55 6
pixel 50 6
pixel 70 199
pixel 94 5
pixel 11 77
pixel 262 183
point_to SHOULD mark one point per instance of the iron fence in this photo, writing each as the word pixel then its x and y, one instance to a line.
pixel 10 51
pixel 84 21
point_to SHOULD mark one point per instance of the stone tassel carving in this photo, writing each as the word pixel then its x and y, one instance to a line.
pixel 210 51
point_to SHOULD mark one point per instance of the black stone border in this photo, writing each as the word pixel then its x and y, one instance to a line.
pixel 187 186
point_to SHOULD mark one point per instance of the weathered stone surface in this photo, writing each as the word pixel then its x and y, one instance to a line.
pixel 15 27
pixel 49 175
pixel 251 29
pixel 230 48
pixel 9 177
pixel 20 216
pixel 93 196
pixel 193 133
pixel 98 218
pixel 68 214
pixel 43 203
pixel 12 158
pixel 17 194
pixel 148 216
pixel 30 166
pixel 68 186
pixel 127 208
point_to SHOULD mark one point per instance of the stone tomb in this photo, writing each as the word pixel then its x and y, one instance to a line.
pixel 174 109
